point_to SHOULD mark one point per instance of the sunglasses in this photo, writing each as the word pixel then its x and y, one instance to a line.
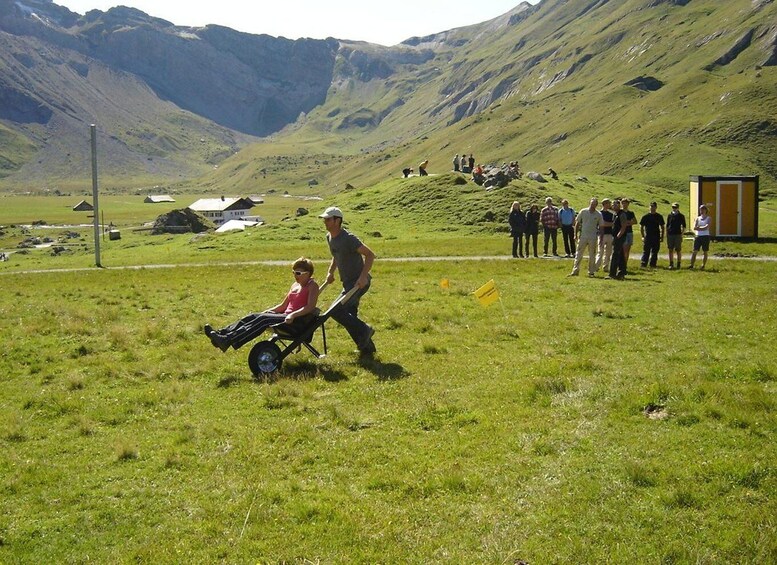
pixel 299 273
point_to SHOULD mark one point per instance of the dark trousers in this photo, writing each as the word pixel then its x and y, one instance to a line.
pixel 518 245
pixel 650 251
pixel 618 262
pixel 533 237
pixel 551 234
pixel 568 234
pixel 422 173
pixel 347 315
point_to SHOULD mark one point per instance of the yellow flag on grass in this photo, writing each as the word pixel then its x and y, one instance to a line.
pixel 487 294
pixel 445 283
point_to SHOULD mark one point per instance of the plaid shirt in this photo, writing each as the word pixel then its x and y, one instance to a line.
pixel 549 217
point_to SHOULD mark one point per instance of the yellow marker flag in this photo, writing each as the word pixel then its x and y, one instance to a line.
pixel 445 283
pixel 487 294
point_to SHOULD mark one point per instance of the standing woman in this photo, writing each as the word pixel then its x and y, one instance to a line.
pixel 517 228
pixel 702 241
pixel 532 227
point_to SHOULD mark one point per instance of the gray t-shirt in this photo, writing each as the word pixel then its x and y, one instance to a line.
pixel 589 223
pixel 349 261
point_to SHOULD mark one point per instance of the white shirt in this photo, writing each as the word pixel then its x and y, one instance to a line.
pixel 702 226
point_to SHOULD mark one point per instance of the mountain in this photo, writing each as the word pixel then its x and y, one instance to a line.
pixel 649 89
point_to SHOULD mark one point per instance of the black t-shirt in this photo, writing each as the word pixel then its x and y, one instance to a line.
pixel 620 217
pixel 675 223
pixel 630 216
pixel 607 216
pixel 652 224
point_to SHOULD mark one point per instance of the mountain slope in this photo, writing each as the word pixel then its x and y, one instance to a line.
pixel 650 89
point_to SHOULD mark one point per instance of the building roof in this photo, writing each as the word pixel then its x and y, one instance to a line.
pixel 221 204
pixel 83 205
pixel 157 198
pixel 233 225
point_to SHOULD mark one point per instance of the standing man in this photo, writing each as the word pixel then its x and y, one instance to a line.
pixel 651 227
pixel 629 219
pixel 566 217
pixel 587 225
pixel 456 163
pixel 675 228
pixel 354 260
pixel 605 236
pixel 549 220
pixel 619 225
pixel 422 168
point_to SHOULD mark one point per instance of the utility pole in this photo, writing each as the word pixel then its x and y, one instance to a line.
pixel 93 129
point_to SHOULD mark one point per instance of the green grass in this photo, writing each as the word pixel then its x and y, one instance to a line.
pixel 477 434
pixel 432 216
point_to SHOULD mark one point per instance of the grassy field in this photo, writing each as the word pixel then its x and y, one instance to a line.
pixel 575 420
pixel 401 218
pixel 579 420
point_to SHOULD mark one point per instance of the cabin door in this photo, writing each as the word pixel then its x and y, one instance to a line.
pixel 729 212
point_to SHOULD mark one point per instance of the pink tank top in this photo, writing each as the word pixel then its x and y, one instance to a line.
pixel 298 299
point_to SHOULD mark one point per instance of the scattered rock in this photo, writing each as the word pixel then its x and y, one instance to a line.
pixel 535 176
pixel 302 212
pixel 646 84
pixel 656 411
pixel 349 186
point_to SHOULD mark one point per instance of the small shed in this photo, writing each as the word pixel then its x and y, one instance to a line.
pixel 732 203
pixel 83 206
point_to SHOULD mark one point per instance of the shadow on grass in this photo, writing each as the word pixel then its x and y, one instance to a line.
pixel 384 371
pixel 227 382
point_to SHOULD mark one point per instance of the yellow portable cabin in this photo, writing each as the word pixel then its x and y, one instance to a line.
pixel 732 203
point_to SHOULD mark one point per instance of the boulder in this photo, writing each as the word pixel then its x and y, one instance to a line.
pixel 302 212
pixel 181 221
pixel 535 176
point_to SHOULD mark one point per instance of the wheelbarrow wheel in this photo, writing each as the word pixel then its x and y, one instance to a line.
pixel 264 358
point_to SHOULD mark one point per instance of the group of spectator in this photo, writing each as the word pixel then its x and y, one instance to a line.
pixel 464 164
pixel 606 235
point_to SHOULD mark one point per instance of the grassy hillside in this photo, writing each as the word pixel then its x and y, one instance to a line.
pixel 551 91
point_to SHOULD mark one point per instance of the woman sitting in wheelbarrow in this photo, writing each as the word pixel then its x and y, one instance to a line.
pixel 299 302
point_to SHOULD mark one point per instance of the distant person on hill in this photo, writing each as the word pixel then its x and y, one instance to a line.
pixel 471 162
pixel 587 225
pixel 604 255
pixel 549 219
pixel 407 171
pixel 517 221
pixel 619 225
pixel 463 163
pixel 354 261
pixel 296 308
pixel 675 228
pixel 456 163
pixel 652 230
pixel 566 217
pixel 630 219
pixel 702 240
pixel 422 168
pixel 532 227
pixel 552 174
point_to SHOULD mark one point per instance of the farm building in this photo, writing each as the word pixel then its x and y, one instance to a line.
pixel 732 203
pixel 83 206
pixel 158 198
pixel 220 210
